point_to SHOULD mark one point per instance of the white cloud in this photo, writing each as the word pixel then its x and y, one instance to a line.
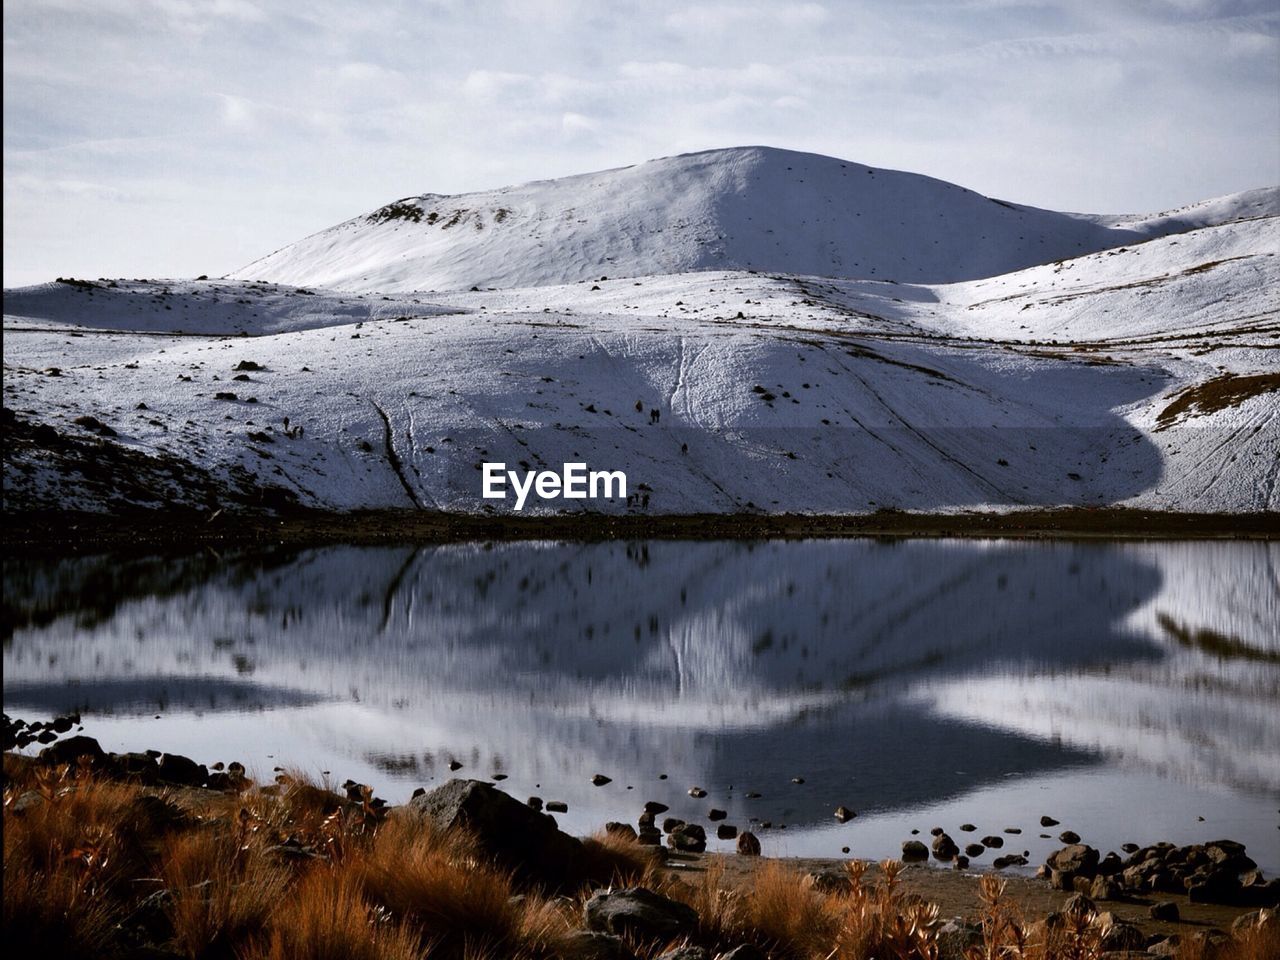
pixel 271 120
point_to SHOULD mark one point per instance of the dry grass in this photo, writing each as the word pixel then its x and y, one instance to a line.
pixel 457 900
pixel 77 839
pixel 613 860
pixel 330 918
pixel 98 868
pixel 222 886
pixel 880 920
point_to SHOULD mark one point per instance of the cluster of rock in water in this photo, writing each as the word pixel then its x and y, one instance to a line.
pixel 682 837
pixel 1215 872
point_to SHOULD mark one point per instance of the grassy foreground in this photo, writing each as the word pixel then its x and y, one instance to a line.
pixel 98 867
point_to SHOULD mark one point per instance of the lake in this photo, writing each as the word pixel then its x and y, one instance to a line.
pixel 1129 690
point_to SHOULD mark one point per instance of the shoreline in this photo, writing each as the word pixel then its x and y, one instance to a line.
pixel 165 808
pixel 66 530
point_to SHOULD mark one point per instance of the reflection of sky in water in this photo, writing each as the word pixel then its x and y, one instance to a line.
pixel 1125 689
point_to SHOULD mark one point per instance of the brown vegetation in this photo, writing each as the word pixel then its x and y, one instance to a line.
pixel 95 867
pixel 1217 394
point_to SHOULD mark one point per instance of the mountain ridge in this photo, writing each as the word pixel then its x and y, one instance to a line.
pixel 741 208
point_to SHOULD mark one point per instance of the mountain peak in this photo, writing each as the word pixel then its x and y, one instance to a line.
pixel 737 208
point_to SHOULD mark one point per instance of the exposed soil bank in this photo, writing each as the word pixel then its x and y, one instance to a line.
pixel 64 531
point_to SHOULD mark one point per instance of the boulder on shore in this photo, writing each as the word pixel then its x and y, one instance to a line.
pixel 638 912
pixel 510 832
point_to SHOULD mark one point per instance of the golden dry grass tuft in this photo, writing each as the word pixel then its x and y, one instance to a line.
pixel 613 860
pixel 455 898
pixel 330 918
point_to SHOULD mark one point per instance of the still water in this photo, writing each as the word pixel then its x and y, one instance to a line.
pixel 1131 691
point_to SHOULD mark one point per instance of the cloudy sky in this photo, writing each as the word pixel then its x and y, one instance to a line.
pixel 178 137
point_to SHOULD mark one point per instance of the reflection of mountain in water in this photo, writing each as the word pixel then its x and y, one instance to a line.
pixel 886 664
pixel 126 695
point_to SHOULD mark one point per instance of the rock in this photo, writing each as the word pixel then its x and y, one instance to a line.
pixel 1253 878
pixel 1165 910
pixel 726 831
pixel 624 830
pixel 523 840
pixel 599 780
pixel 1009 860
pixel 1216 888
pixel 557 806
pixel 1110 865
pixel 1255 920
pixel 1123 936
pixel 944 848
pixel 655 808
pixel 1069 836
pixel 455 765
pixel 1129 847
pixel 748 844
pixel 697 793
pixel 993 842
pixel 650 837
pixel 715 815
pixel 956 937
pixel 670 823
pixel 967 828
pixel 974 850
pixel 645 820
pixel 72 749
pixel 913 851
pixel 1013 830
pixel 686 953
pixel 745 952
pixel 961 862
pixel 94 424
pixel 1165 948
pixel 844 814
pixel 1048 822
pixel 1105 888
pixel 534 803
pixel 638 912
pixel 588 945
pixel 1074 859
pixel 688 838
pixel 829 880
pixel 229 782
pixel 136 766
pixel 183 771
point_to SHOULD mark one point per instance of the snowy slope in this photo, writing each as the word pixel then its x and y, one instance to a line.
pixel 714 391
pixel 746 208
pixel 199 307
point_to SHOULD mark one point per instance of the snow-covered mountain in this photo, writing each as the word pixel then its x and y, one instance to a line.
pixel 1140 375
pixel 746 208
